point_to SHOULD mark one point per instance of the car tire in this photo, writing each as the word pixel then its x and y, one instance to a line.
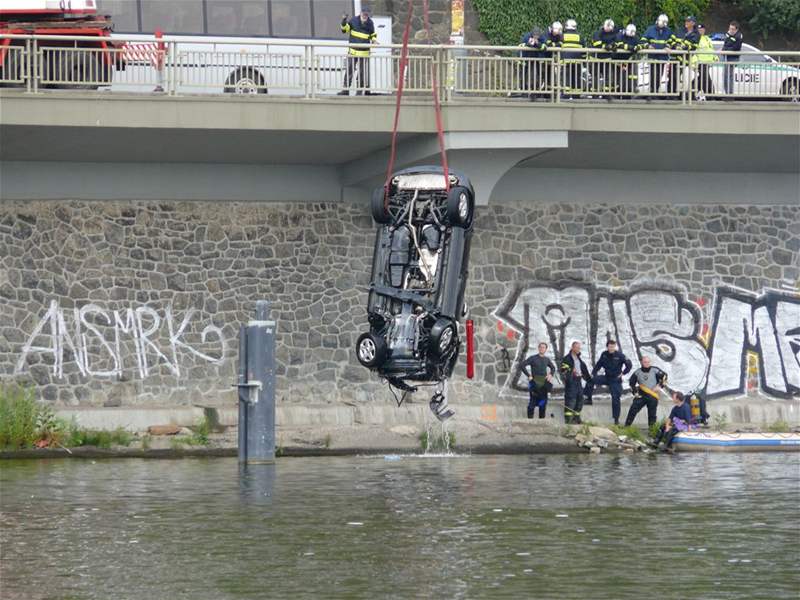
pixel 460 207
pixel 378 205
pixel 245 81
pixel 443 338
pixel 371 350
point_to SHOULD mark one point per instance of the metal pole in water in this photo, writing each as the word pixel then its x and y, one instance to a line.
pixel 257 388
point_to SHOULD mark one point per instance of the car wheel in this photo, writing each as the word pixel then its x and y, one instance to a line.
pixel 379 209
pixel 443 337
pixel 370 350
pixel 460 207
pixel 245 81
pixel 791 87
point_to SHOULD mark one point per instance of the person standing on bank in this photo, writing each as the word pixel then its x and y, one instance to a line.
pixel 539 369
pixel 573 370
pixel 732 43
pixel 362 31
pixel 614 364
pixel 646 384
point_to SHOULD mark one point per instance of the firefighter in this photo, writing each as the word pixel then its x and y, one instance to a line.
pixel 573 372
pixel 628 44
pixel 689 43
pixel 604 41
pixel 539 369
pixel 659 37
pixel 553 39
pixel 646 383
pixel 572 57
pixel 362 31
pixel 614 364
pixel 532 69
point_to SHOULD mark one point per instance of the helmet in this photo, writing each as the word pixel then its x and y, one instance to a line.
pixel 556 27
pixel 571 24
pixel 630 30
pixel 662 20
pixel 608 25
pixel 690 19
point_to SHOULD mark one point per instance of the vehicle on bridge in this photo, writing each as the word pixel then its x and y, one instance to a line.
pixel 242 47
pixel 79 64
pixel 419 276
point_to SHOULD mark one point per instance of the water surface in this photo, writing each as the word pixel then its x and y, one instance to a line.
pixel 577 526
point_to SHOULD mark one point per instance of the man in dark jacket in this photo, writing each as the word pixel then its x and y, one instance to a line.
pixel 572 57
pixel 732 43
pixel 573 370
pixel 615 364
pixel 604 41
pixel 532 53
pixel 659 37
pixel 646 385
pixel 688 42
pixel 539 369
pixel 678 420
pixel 361 30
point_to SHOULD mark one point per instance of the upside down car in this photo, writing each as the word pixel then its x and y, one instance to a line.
pixel 419 275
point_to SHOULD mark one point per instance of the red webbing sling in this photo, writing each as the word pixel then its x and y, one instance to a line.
pixel 400 85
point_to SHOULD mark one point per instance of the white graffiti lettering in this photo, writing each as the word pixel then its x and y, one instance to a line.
pixel 745 335
pixel 142 326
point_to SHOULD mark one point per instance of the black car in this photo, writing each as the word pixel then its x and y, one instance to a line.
pixel 419 274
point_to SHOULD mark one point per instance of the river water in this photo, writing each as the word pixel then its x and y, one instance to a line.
pixel 546 526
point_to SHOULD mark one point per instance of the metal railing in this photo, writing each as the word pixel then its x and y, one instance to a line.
pixel 319 68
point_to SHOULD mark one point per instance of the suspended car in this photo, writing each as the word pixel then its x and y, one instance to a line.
pixel 419 275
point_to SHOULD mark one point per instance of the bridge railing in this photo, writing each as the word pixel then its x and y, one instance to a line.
pixel 174 66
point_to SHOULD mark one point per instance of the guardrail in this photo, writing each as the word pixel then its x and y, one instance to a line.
pixel 174 67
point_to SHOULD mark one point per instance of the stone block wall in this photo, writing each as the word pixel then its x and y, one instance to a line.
pixel 139 303
pixel 439 16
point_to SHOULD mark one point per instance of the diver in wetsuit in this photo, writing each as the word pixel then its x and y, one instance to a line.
pixel 540 381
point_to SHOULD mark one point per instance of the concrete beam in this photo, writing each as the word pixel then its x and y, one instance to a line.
pixel 170 181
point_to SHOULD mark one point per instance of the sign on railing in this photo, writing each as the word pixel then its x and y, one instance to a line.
pixel 315 69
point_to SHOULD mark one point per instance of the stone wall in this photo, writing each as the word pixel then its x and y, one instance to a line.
pixel 106 303
pixel 439 17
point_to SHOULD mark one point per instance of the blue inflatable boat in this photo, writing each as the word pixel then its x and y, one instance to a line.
pixel 702 441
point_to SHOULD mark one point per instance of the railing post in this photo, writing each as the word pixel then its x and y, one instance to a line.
pixel 170 69
pixel 256 384
pixel 27 68
pixel 557 76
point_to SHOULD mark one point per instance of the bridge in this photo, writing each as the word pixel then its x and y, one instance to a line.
pixel 103 145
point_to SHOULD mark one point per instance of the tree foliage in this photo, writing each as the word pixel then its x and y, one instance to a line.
pixel 766 16
pixel 504 21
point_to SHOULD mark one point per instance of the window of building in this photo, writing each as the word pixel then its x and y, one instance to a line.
pixel 183 16
pixel 124 13
pixel 237 17
pixel 328 17
pixel 291 18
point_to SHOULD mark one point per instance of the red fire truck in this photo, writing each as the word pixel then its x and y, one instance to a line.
pixel 74 64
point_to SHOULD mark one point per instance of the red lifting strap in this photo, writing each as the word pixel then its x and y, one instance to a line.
pixel 436 104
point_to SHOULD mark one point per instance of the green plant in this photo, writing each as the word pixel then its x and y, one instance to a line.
pixel 779 426
pixel 631 432
pixel 504 21
pixel 18 417
pixel 719 421
pixel 201 431
pixel 654 428
pixel 327 441
pixel 146 441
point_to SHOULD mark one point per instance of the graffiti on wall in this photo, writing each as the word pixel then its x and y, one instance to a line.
pixel 103 343
pixel 737 341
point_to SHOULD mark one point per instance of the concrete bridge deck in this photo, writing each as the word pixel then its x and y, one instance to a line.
pixel 294 149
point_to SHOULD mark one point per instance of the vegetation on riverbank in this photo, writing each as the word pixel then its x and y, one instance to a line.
pixel 25 423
